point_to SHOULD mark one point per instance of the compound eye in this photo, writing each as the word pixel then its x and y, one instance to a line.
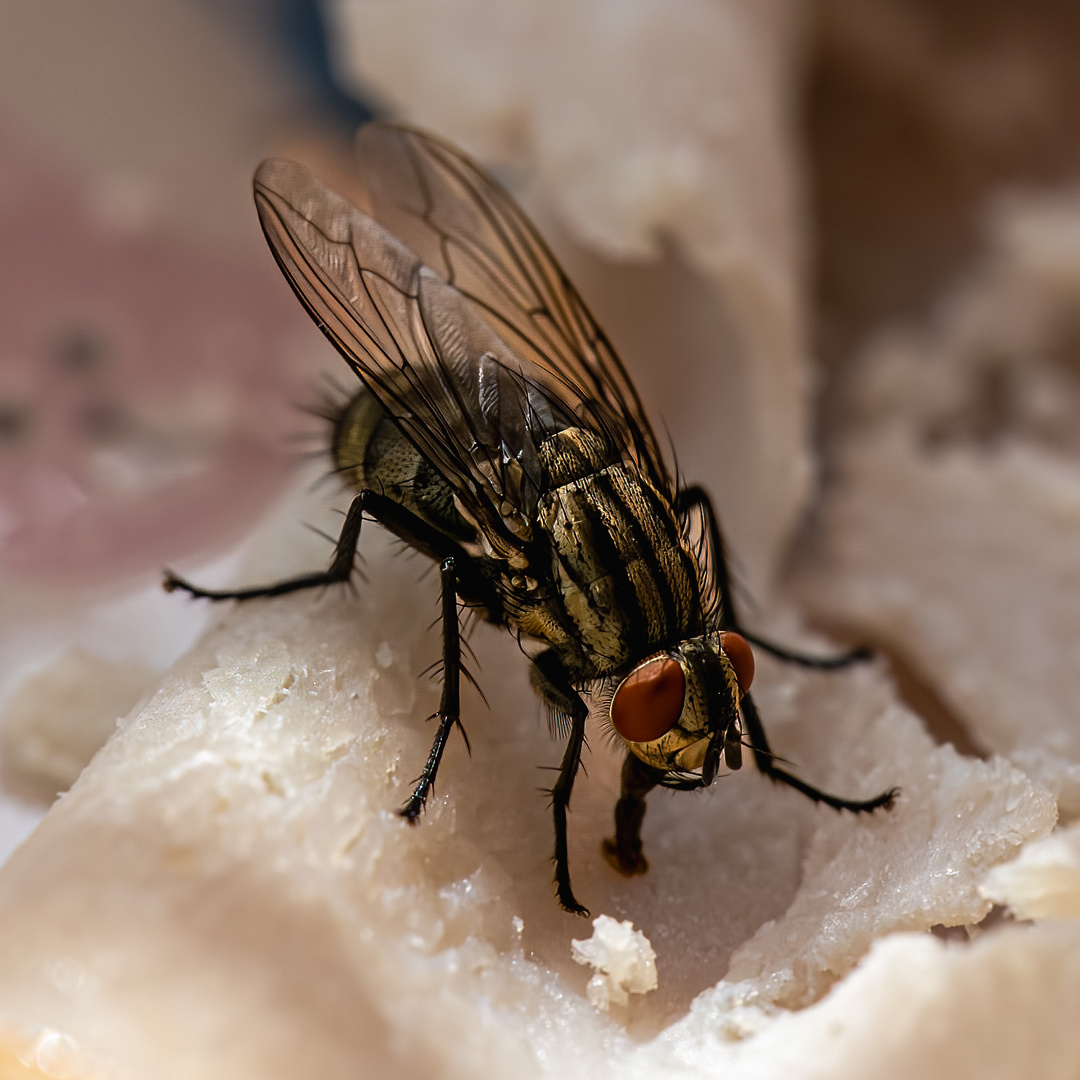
pixel 741 656
pixel 649 700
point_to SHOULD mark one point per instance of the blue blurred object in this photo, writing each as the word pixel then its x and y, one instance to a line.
pixel 302 31
pixel 296 31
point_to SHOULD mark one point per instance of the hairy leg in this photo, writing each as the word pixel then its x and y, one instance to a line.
pixel 695 496
pixel 688 499
pixel 450 706
pixel 623 850
pixel 766 763
pixel 550 680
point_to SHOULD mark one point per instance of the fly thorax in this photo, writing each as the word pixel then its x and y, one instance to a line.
pixel 619 561
pixel 572 454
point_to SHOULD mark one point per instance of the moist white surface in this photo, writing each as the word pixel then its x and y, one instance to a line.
pixel 228 890
pixel 950 532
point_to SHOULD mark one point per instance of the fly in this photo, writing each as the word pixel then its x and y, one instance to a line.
pixel 498 433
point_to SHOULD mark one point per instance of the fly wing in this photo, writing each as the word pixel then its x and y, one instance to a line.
pixel 456 389
pixel 470 231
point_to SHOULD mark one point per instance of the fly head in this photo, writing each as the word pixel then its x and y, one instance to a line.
pixel 678 711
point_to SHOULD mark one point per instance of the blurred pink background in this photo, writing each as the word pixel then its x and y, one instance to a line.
pixel 150 357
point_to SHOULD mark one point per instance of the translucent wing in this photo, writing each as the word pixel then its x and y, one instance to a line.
pixel 454 387
pixel 469 230
pixel 480 357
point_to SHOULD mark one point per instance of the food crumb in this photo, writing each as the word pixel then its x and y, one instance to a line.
pixel 624 960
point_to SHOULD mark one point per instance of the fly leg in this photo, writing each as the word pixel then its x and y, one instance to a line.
pixel 551 682
pixel 460 576
pixel 449 706
pixel 339 570
pixel 403 523
pixel 696 496
pixel 764 758
pixel 766 763
pixel 623 850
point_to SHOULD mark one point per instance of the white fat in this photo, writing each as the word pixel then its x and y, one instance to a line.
pixel 1043 881
pixel 623 959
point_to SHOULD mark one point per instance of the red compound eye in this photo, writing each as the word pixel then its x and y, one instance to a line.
pixel 741 656
pixel 649 700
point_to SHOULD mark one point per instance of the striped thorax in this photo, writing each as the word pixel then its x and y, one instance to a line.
pixel 626 583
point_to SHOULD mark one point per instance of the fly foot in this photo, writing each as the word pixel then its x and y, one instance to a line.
pixel 628 861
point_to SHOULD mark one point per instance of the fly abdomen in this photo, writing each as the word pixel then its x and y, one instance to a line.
pixel 624 575
pixel 371 453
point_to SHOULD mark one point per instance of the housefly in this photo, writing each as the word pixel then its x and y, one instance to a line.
pixel 497 432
